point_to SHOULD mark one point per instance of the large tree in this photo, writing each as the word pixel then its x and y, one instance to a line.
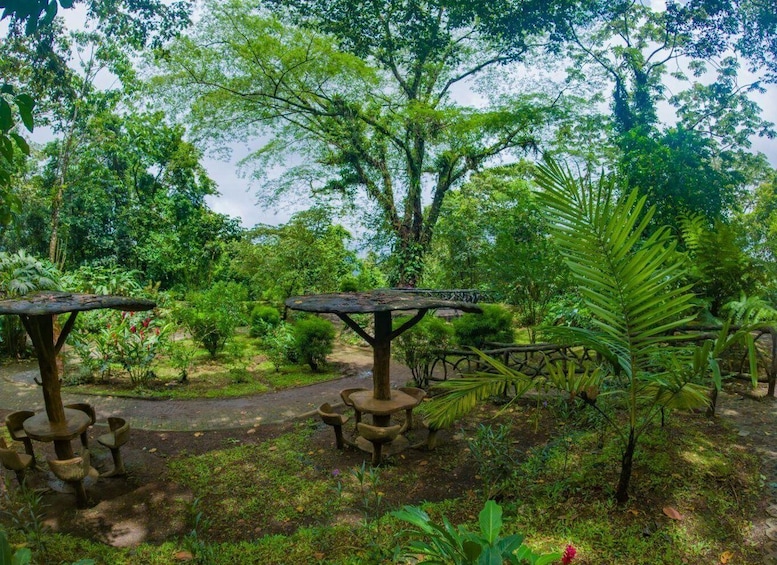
pixel 36 57
pixel 698 164
pixel 366 96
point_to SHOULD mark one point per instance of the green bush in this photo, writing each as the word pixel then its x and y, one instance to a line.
pixel 212 316
pixel 20 274
pixel 314 338
pixel 263 320
pixel 280 346
pixel 495 324
pixel 417 347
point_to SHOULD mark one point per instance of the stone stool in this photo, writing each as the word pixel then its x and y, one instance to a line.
pixel 378 436
pixel 87 409
pixel 15 424
pixel 332 418
pixel 73 471
pixel 16 462
pixel 118 436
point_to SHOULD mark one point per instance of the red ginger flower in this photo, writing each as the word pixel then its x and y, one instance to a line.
pixel 569 555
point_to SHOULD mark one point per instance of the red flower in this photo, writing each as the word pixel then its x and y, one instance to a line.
pixel 133 329
pixel 146 322
pixel 569 555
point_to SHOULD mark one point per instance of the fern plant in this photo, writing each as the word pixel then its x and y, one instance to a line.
pixel 632 283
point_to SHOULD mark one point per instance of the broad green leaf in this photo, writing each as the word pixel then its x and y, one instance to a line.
pixel 547 559
pixel 6 119
pixel 490 519
pixel 21 143
pixel 472 550
pixel 26 104
pixel 490 556
pixel 5 549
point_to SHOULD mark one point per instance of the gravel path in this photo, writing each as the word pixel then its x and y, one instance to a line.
pixel 18 391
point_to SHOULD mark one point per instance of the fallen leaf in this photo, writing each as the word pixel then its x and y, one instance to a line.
pixel 273 448
pixel 635 512
pixel 152 450
pixel 726 556
pixel 184 556
pixel 319 555
pixel 251 431
pixel 300 509
pixel 198 434
pixel 672 513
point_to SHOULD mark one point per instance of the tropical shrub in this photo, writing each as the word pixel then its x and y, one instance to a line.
pixel 104 278
pixel 495 324
pixel 211 316
pixel 418 347
pixel 493 451
pixel 263 320
pixel 20 274
pixel 314 339
pixel 130 340
pixel 631 283
pixel 460 546
pixel 280 346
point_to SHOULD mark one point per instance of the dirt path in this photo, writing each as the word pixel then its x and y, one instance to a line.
pixel 18 391
pixel 756 424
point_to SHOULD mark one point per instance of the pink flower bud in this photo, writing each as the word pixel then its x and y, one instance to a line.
pixel 569 555
pixel 133 329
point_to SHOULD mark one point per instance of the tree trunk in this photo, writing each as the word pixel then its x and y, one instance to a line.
pixel 622 493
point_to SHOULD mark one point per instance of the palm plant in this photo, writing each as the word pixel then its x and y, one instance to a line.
pixel 632 284
pixel 20 274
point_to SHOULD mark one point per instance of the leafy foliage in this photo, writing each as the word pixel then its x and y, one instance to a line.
pixel 448 545
pixel 313 340
pixel 721 268
pixel 491 236
pixel 419 346
pixel 495 324
pixel 263 320
pixel 307 254
pixel 632 284
pixel 211 316
pixel 20 274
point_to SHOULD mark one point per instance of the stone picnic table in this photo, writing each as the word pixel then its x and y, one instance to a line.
pixel 381 402
pixel 38 313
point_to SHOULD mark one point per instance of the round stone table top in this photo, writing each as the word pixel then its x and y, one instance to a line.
pixel 386 300
pixel 51 302
pixel 39 427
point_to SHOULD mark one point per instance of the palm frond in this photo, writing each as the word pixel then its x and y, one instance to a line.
pixel 631 283
pixel 459 396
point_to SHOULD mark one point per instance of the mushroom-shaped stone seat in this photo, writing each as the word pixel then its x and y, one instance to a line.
pixel 15 424
pixel 87 409
pixel 345 395
pixel 332 418
pixel 118 436
pixel 418 394
pixel 16 462
pixel 73 471
pixel 378 436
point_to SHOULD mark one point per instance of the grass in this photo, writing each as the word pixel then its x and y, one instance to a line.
pixel 241 370
pixel 280 502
